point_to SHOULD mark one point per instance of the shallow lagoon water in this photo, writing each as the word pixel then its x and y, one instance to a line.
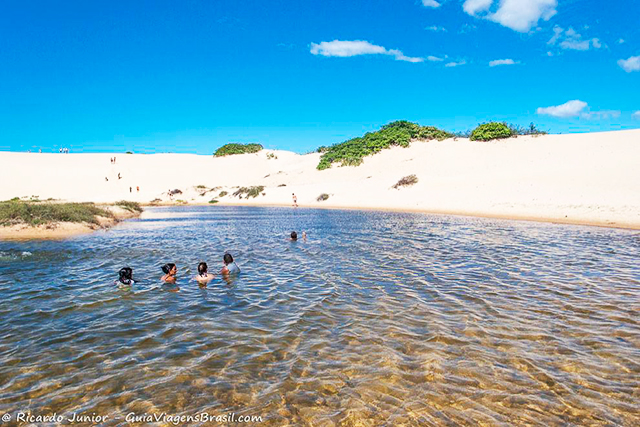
pixel 378 319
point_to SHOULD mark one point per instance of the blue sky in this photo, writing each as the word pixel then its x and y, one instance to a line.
pixel 190 76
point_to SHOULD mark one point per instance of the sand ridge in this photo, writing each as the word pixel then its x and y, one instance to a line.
pixel 575 178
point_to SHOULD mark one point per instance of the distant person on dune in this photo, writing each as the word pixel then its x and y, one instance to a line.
pixel 170 271
pixel 295 200
pixel 230 266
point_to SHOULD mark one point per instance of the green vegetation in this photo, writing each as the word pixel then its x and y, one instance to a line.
pixel 212 201
pixel 531 130
pixel 249 192
pixel 490 131
pixel 155 201
pixel 201 186
pixel 21 212
pixel 229 149
pixel 406 181
pixel 129 152
pixel 352 152
pixel 130 206
pixel 322 197
pixel 222 194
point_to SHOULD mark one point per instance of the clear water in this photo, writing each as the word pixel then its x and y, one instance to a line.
pixel 377 319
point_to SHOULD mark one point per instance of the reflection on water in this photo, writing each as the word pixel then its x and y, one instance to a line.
pixel 378 319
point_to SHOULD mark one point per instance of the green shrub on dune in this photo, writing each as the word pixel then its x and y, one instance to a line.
pixel 229 149
pixel 21 212
pixel 492 130
pixel 352 152
pixel 130 206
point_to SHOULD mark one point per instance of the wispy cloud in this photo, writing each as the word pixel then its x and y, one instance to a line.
pixel 636 115
pixel 431 3
pixel 455 64
pixel 620 41
pixel 497 62
pixel 436 29
pixel 571 40
pixel 576 108
pixel 519 15
pixel 434 58
pixel 631 64
pixel 568 109
pixel 346 48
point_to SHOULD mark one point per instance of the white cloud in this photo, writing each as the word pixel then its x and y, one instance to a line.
pixel 576 108
pixel 474 6
pixel 636 115
pixel 346 48
pixel 631 64
pixel 621 41
pixel 519 15
pixel 571 40
pixel 431 3
pixel 455 64
pixel 497 62
pixel 434 59
pixel 568 109
pixel 436 29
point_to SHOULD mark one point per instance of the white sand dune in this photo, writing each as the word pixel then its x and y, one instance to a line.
pixel 576 178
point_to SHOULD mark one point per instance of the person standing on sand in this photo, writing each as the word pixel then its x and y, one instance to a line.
pixel 138 188
pixel 119 177
pixel 295 200
pixel 130 190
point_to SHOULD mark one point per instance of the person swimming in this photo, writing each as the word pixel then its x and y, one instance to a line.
pixel 125 276
pixel 203 276
pixel 170 271
pixel 294 236
pixel 230 266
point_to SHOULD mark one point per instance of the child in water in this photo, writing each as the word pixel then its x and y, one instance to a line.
pixel 170 271
pixel 230 266
pixel 125 276
pixel 203 276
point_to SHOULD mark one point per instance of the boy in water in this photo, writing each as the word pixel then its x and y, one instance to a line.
pixel 203 276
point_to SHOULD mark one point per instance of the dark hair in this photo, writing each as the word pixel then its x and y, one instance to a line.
pixel 125 275
pixel 168 267
pixel 228 259
pixel 202 268
pixel 294 235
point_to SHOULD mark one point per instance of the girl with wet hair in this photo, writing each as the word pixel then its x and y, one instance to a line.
pixel 229 265
pixel 125 276
pixel 170 270
pixel 203 276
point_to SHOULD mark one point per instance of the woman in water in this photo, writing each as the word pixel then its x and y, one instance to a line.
pixel 230 266
pixel 170 270
pixel 125 276
pixel 203 276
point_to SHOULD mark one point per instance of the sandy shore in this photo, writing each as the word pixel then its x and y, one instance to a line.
pixel 575 178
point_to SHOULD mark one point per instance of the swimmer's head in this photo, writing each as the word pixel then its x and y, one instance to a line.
pixel 202 268
pixel 125 274
pixel 227 258
pixel 168 268
pixel 294 235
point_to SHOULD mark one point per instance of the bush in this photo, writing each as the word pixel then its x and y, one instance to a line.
pixel 16 212
pixel 155 201
pixel 222 194
pixel 130 206
pixel 406 181
pixel 249 192
pixel 491 131
pixel 322 197
pixel 229 149
pixel 531 130
pixel 129 152
pixel 352 152
pixel 212 201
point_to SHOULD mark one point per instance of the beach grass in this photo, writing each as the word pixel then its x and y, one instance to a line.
pixel 37 213
pixel 130 206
